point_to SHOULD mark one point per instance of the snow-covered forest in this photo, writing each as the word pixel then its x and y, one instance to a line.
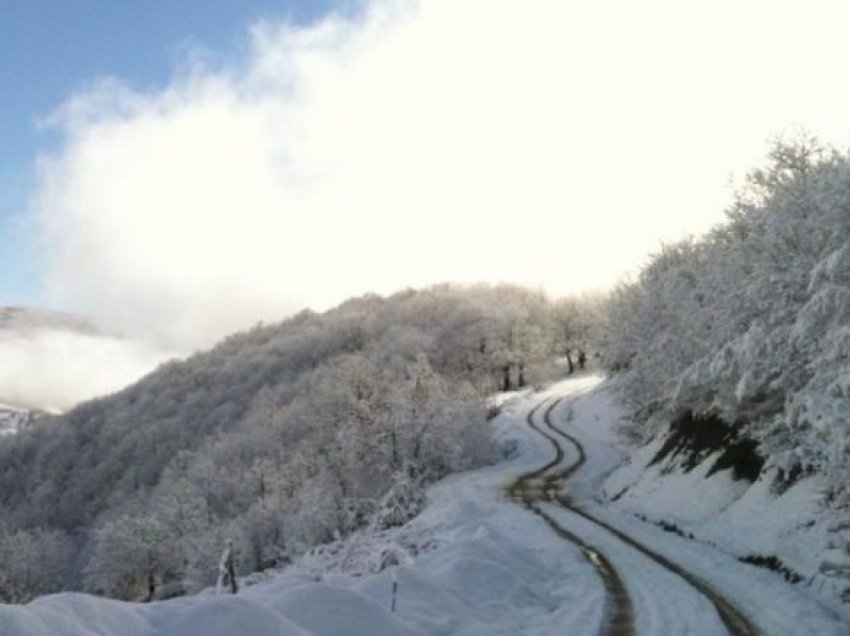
pixel 280 438
pixel 749 326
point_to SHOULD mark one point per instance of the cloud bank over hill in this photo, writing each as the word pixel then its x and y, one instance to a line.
pixel 50 360
pixel 53 370
pixel 408 143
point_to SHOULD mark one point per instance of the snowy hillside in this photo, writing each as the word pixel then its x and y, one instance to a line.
pixel 731 351
pixel 476 561
pixel 13 419
pixel 282 437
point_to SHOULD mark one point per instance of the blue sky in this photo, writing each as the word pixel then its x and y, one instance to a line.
pixel 51 48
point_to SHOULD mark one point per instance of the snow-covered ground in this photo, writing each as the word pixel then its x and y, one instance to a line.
pixel 478 564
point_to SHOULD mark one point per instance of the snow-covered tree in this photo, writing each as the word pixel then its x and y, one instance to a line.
pixel 33 562
pixel 751 322
pixel 131 557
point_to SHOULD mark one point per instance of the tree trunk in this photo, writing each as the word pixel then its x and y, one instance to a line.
pixel 570 367
pixel 521 377
pixel 231 572
pixel 394 445
pixel 506 377
pixel 227 569
pixel 151 579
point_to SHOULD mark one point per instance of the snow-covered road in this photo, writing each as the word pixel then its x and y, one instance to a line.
pixel 725 595
pixel 544 484
pixel 554 477
pixel 483 565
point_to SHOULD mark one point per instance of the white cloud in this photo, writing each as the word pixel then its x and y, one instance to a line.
pixel 549 143
pixel 52 369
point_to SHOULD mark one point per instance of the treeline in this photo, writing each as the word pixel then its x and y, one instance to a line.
pixel 751 323
pixel 279 439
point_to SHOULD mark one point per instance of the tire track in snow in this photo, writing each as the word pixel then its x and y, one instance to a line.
pixel 732 618
pixel 617 615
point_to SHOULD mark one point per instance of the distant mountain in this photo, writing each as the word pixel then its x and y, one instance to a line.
pixel 13 419
pixel 31 319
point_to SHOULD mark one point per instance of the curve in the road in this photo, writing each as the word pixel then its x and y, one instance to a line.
pixel 617 614
pixel 732 618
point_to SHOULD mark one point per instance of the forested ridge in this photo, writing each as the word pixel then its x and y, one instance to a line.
pixel 748 327
pixel 280 438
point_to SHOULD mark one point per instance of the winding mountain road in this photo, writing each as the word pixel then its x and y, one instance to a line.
pixel 546 485
pixel 536 486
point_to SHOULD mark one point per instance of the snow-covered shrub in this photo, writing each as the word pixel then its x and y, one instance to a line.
pixel 130 556
pixel 402 502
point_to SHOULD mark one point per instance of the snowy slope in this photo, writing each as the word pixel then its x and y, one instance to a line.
pixel 474 562
pixel 749 521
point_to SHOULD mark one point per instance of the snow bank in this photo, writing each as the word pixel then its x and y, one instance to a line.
pixel 332 610
pixel 223 616
pixel 71 614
